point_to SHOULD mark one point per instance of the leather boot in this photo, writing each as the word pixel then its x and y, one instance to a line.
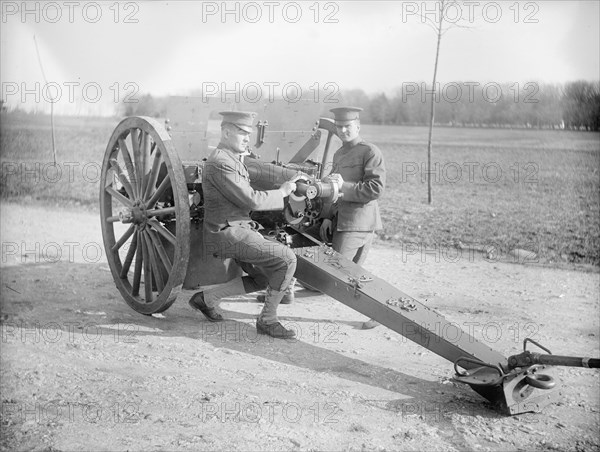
pixel 197 302
pixel 208 300
pixel 288 297
pixel 267 322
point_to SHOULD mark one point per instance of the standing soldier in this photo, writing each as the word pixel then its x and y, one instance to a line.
pixel 228 200
pixel 359 171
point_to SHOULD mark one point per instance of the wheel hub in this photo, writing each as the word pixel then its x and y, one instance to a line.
pixel 136 215
pixel 139 214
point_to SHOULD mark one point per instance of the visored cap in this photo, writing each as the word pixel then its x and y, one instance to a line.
pixel 241 119
pixel 345 115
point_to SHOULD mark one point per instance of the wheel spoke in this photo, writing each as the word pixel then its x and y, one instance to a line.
pixel 159 191
pixel 137 159
pixel 122 178
pixel 153 173
pixel 163 231
pixel 123 239
pixel 130 253
pixel 142 154
pixel 147 271
pixel 145 152
pixel 115 194
pixel 161 212
pixel 129 165
pixel 164 257
pixel 158 276
pixel 137 271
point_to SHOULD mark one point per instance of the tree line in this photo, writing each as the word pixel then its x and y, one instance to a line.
pixel 573 105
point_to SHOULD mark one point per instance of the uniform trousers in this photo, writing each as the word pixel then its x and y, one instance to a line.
pixel 267 263
pixel 353 245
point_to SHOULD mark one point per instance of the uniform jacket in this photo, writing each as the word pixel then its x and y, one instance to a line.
pixel 229 198
pixel 362 167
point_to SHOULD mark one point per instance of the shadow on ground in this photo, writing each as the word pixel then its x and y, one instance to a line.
pixel 80 297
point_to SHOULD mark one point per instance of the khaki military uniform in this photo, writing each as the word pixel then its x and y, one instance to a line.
pixel 230 233
pixel 356 215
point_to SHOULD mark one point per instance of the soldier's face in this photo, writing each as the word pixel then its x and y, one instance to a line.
pixel 238 139
pixel 348 132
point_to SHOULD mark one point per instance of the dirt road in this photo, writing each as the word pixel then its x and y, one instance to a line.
pixel 82 371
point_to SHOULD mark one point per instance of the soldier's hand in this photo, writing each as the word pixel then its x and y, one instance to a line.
pixel 287 188
pixel 326 230
pixel 290 186
pixel 337 179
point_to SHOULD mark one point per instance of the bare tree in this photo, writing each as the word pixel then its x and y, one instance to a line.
pixel 439 28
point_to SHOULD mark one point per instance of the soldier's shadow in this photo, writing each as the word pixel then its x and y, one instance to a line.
pixel 311 349
pixel 65 294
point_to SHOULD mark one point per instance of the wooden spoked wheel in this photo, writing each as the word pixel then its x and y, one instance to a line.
pixel 145 214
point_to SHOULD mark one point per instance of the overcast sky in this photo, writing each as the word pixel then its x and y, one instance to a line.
pixel 118 49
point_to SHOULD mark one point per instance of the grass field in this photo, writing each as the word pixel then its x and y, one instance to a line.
pixel 525 189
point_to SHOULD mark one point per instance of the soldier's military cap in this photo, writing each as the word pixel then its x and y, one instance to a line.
pixel 345 115
pixel 241 119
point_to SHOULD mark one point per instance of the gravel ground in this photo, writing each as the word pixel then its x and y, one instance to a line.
pixel 82 371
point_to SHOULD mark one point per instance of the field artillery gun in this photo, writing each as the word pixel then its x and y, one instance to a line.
pixel 152 216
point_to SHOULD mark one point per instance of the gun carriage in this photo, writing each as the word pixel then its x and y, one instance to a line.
pixel 152 215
